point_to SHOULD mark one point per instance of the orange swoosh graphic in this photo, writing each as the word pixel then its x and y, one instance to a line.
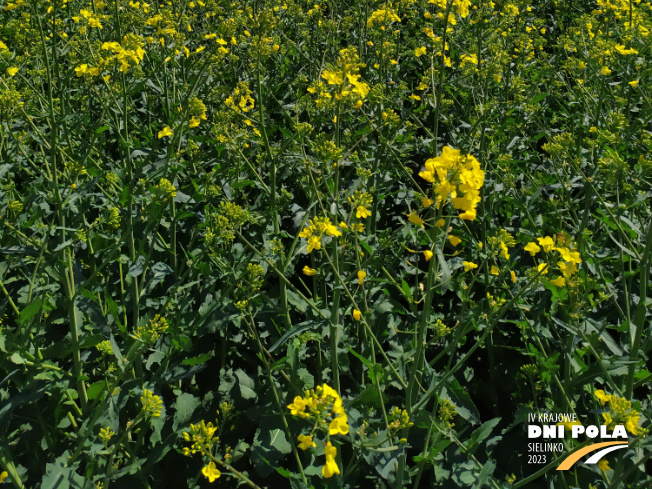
pixel 574 457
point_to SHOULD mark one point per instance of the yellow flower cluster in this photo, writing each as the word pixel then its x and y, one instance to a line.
pixel 382 18
pixel 620 412
pixel 201 436
pixel 324 405
pixel 241 101
pixel 127 55
pixel 105 435
pixel 166 189
pixel 317 228
pixel 345 74
pixel 152 405
pixel 569 257
pixel 152 331
pixel 458 176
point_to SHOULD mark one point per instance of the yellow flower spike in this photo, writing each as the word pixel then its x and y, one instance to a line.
pixel 361 276
pixel 468 265
pixel 427 255
pixel 309 271
pixel 357 314
pixel 211 472
pixel 454 240
pixel 305 442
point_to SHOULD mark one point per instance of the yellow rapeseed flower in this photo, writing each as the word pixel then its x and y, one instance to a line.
pixel 309 271
pixel 166 131
pixel 357 314
pixel 361 275
pixel 414 218
pixel 546 243
pixel 305 442
pixel 12 71
pixel 468 265
pixel 532 248
pixel 211 472
pixel 428 255
pixel 454 240
pixel 420 51
pixel 331 468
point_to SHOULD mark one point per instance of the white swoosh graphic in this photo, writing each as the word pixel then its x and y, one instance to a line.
pixel 597 456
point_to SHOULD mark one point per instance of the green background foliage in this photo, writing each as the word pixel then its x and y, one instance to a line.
pixel 164 167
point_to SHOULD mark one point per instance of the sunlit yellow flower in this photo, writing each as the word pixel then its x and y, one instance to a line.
pixel 309 271
pixel 513 275
pixel 559 281
pixel 211 472
pixel 494 270
pixel 357 314
pixel 166 131
pixel 5 474
pixel 305 442
pixel 603 465
pixel 339 426
pixel 605 70
pixel 543 268
pixel 633 83
pixel 428 255
pixel 362 212
pixel 331 468
pixel 546 243
pixel 468 265
pixel 532 248
pixel 426 202
pixel 414 218
pixel 420 51
pixel 361 275
pixel 454 240
pixel 440 223
pixel 298 406
pixel 12 71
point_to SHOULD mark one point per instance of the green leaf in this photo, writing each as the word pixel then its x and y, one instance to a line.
pixel 184 406
pixel 95 389
pixel 481 434
pixel 29 312
pixel 291 333
pixel 247 385
pixel 197 360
